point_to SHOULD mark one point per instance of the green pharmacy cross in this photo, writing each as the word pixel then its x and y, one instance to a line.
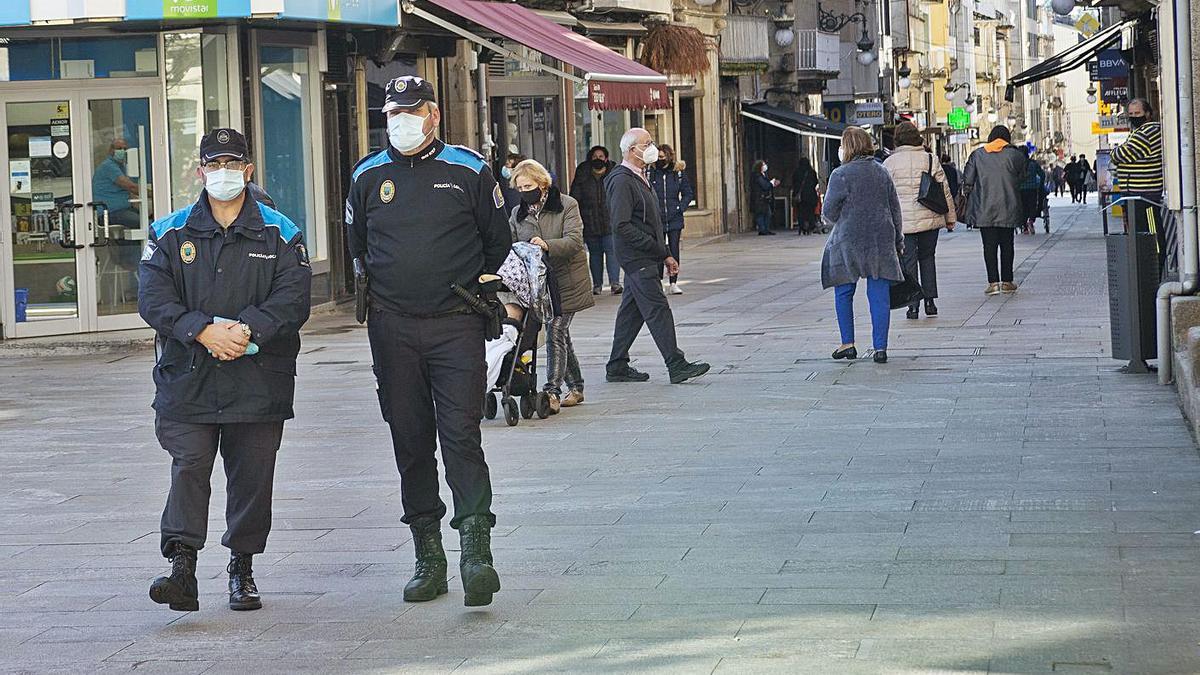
pixel 959 118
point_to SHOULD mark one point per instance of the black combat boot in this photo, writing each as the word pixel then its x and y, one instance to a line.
pixel 429 581
pixel 178 591
pixel 243 594
pixel 479 578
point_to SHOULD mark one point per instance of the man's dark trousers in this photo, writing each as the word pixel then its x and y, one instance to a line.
pixel 919 251
pixel 248 450
pixel 644 304
pixel 431 374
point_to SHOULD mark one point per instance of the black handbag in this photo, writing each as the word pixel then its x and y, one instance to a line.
pixel 907 292
pixel 932 196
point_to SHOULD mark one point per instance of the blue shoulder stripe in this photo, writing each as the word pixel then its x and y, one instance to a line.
pixel 378 159
pixel 272 218
pixel 173 221
pixel 455 154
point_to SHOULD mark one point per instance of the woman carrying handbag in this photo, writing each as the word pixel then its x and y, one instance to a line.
pixel 926 205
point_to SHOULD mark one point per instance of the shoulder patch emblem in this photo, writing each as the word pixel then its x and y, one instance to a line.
pixel 387 191
pixel 302 255
pixel 187 252
pixel 149 251
pixel 498 196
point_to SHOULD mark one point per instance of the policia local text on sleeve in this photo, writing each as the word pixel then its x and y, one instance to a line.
pixel 422 218
pixel 225 282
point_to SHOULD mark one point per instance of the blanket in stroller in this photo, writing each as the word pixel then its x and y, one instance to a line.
pixel 525 274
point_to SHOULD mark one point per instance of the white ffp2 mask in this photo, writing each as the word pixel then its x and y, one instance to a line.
pixel 406 132
pixel 650 154
pixel 224 184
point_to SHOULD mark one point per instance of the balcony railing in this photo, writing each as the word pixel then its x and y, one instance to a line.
pixel 817 52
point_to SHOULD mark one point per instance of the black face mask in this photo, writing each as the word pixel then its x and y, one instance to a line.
pixel 1137 121
pixel 598 163
pixel 531 197
pixel 662 163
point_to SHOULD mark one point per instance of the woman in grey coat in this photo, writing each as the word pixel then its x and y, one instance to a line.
pixel 992 190
pixel 866 241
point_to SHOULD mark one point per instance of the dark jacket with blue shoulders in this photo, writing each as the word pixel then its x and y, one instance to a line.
pixel 255 271
pixel 674 192
pixel 424 222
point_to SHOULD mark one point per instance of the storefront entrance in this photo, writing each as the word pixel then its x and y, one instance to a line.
pixel 82 159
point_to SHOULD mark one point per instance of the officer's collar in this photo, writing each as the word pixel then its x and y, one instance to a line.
pixel 201 218
pixel 428 153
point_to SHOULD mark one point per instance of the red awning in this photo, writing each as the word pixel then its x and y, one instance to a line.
pixel 613 81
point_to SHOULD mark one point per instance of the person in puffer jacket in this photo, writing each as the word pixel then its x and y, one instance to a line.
pixel 674 192
pixel 921 225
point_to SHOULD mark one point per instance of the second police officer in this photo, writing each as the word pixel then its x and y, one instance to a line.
pixel 423 216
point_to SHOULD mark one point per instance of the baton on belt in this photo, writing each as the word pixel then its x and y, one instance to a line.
pixel 361 284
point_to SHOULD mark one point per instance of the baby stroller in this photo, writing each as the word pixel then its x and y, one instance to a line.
pixel 512 358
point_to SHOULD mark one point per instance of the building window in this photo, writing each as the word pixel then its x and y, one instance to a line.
pixel 288 139
pixel 78 58
pixel 978 38
pixel 691 149
pixel 197 83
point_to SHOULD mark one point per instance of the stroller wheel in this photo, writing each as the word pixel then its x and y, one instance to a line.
pixel 527 406
pixel 511 415
pixel 543 405
pixel 490 406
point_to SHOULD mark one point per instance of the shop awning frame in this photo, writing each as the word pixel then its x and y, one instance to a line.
pixel 1070 58
pixel 794 122
pixel 611 79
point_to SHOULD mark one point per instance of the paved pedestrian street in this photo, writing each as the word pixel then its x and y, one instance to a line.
pixel 998 498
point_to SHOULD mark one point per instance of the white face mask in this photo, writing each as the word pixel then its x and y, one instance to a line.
pixel 650 154
pixel 841 155
pixel 764 168
pixel 406 131
pixel 224 185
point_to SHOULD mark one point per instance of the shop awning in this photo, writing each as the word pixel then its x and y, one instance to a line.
pixel 36 12
pixel 613 81
pixel 1069 59
pixel 790 120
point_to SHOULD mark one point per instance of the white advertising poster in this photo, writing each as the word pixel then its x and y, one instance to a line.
pixel 39 146
pixel 62 10
pixel 19 180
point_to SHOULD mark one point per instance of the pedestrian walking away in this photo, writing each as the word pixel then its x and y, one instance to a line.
pixel 1139 166
pixel 674 192
pixel 762 197
pixel 551 221
pixel 992 190
pixel 866 242
pixel 906 166
pixel 587 188
pixel 426 217
pixel 953 176
pixel 637 222
pixel 1033 190
pixel 1086 178
pixel 225 283
pixel 805 197
pixel 1072 173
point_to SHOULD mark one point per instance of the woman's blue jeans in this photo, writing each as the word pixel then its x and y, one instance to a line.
pixel 880 300
pixel 763 222
pixel 600 251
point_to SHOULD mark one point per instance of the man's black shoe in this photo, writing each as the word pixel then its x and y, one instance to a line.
pixel 912 312
pixel 684 371
pixel 880 356
pixel 178 591
pixel 475 564
pixel 627 374
pixel 930 308
pixel 429 581
pixel 243 593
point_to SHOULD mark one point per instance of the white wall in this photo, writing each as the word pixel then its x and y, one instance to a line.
pixel 1079 114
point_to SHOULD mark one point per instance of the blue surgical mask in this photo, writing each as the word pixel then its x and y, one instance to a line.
pixel 506 172
pixel 224 184
pixel 119 155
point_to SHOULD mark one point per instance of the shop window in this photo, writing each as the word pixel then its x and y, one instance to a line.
pixel 286 100
pixel 197 82
pixel 23 60
pixel 690 150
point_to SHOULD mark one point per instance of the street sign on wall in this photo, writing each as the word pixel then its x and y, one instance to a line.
pixel 1114 91
pixel 1112 65
pixel 834 112
pixel 1087 24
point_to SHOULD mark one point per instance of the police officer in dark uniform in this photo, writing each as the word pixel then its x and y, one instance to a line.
pixel 423 216
pixel 225 282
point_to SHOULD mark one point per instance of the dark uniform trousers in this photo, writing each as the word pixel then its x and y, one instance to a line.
pixel 431 373
pixel 644 303
pixel 248 450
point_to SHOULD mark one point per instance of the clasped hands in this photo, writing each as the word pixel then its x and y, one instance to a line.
pixel 225 341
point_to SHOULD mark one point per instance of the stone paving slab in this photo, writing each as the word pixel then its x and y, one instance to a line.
pixel 998 498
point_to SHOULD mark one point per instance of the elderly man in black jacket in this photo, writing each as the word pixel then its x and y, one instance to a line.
pixel 637 223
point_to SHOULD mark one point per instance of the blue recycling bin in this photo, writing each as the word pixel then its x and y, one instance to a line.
pixel 22 295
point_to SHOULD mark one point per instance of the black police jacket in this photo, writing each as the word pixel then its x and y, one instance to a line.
pixel 255 271
pixel 424 222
